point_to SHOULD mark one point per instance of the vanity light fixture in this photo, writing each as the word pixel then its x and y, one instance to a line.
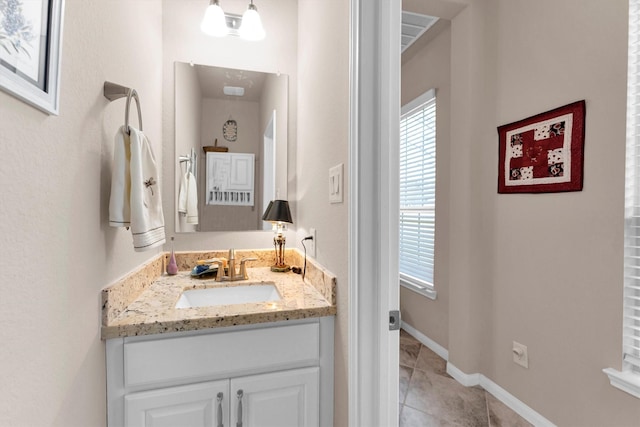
pixel 214 22
pixel 251 27
pixel 278 214
pixel 219 24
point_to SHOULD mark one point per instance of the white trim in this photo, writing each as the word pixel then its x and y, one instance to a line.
pixel 353 170
pixel 626 381
pixel 425 291
pixel 418 102
pixel 469 380
pixel 387 126
pixel 374 110
pixel 426 341
pixel 514 403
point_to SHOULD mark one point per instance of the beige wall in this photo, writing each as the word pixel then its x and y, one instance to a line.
pixel 430 68
pixel 545 269
pixel 214 113
pixel 323 132
pixel 57 248
pixel 557 275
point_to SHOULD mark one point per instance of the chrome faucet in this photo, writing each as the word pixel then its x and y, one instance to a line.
pixel 232 274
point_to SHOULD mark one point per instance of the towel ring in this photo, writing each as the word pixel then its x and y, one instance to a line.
pixel 113 91
pixel 132 94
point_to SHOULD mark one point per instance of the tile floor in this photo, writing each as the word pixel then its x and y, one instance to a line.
pixel 429 397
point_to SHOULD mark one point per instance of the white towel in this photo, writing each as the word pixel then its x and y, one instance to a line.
pixel 182 194
pixel 188 198
pixel 135 190
pixel 119 210
pixel 147 219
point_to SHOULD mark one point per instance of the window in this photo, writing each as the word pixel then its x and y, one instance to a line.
pixel 631 334
pixel 418 193
pixel 629 379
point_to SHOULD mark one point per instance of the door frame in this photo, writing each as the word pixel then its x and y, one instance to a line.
pixel 373 214
pixel 269 155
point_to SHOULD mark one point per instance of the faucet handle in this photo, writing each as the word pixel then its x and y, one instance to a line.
pixel 220 273
pixel 243 267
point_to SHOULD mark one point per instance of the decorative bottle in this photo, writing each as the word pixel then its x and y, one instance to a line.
pixel 172 266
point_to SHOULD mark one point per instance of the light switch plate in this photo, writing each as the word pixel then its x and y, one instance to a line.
pixel 336 189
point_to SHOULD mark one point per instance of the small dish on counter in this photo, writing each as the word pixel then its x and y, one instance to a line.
pixel 204 270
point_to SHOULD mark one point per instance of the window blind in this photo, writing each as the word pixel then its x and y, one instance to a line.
pixel 631 326
pixel 418 191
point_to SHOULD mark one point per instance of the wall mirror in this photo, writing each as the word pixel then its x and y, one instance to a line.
pixel 231 141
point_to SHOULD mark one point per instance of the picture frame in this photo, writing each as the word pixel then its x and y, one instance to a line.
pixel 30 51
pixel 543 153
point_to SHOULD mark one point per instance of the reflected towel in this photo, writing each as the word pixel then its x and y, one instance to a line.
pixel 188 198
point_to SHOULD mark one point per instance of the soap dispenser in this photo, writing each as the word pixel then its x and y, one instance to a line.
pixel 172 266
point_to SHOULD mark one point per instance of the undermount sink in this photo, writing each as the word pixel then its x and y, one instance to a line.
pixel 229 295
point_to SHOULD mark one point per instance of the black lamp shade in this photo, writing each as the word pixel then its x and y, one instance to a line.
pixel 264 215
pixel 278 211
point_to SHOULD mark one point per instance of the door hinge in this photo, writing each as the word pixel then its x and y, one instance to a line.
pixel 394 320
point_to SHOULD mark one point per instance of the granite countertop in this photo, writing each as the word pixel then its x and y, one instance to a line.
pixel 144 302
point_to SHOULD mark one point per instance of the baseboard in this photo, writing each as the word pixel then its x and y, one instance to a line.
pixel 499 393
pixel 467 380
pixel 426 341
pixel 470 380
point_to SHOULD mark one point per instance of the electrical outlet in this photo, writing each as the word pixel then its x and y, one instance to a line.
pixel 520 354
pixel 311 244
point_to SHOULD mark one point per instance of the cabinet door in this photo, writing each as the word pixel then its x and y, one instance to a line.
pixel 195 405
pixel 242 172
pixel 279 399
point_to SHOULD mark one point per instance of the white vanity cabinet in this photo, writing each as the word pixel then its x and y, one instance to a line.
pixel 273 374
pixel 201 405
pixel 286 398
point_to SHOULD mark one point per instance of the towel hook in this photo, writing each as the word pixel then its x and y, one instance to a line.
pixel 113 91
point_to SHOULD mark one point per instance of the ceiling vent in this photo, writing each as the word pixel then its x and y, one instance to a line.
pixel 414 25
pixel 233 90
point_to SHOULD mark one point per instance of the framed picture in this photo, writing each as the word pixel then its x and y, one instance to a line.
pixel 30 43
pixel 543 153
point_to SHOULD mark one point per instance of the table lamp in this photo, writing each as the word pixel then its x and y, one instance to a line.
pixel 278 214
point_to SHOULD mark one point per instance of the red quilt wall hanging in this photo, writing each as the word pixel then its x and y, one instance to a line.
pixel 543 153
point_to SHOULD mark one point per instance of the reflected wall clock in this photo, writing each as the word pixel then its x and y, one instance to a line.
pixel 230 130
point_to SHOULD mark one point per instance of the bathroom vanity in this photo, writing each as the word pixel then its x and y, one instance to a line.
pixel 247 364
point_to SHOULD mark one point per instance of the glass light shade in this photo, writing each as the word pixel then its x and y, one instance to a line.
pixel 251 27
pixel 214 22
